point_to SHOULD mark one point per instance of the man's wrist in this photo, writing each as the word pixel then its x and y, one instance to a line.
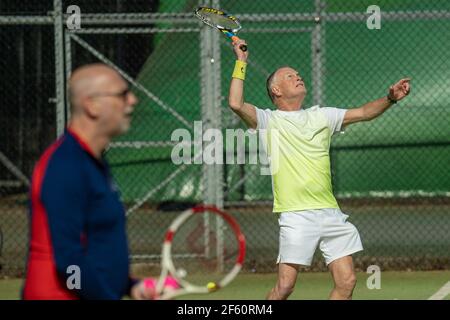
pixel 390 99
pixel 240 68
pixel 131 283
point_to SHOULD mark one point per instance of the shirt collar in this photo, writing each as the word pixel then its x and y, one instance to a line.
pixel 81 142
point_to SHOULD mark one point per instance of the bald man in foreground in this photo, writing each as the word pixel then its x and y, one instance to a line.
pixel 78 244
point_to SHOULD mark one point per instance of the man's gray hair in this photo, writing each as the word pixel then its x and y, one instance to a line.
pixel 270 80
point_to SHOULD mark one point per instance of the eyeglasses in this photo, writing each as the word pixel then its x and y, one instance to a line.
pixel 122 94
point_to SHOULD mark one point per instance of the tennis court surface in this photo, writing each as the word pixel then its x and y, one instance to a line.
pixel 311 285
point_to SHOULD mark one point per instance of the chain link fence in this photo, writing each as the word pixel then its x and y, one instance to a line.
pixel 390 175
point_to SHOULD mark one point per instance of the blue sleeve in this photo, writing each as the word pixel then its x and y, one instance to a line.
pixel 64 195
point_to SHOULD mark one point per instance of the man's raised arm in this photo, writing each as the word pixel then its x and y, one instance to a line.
pixel 375 108
pixel 245 111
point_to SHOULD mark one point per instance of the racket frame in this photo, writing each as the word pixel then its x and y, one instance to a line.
pixel 168 268
pixel 230 33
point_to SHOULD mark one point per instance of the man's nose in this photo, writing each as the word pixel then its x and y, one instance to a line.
pixel 132 99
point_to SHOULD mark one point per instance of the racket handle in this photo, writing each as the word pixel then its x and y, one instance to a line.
pixel 243 47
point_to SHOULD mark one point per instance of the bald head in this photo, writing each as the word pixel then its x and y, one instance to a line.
pixel 89 80
pixel 101 100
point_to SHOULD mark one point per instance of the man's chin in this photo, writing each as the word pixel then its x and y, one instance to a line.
pixel 124 128
pixel 302 94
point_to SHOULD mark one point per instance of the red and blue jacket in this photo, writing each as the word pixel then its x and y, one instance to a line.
pixel 76 219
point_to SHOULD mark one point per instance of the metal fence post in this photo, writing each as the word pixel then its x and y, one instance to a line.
pixel 316 47
pixel 68 67
pixel 59 67
pixel 211 100
pixel 211 117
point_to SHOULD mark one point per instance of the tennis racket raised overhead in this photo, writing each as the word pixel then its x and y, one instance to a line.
pixel 203 251
pixel 221 20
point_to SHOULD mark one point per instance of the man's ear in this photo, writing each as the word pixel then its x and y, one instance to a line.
pixel 91 107
pixel 276 91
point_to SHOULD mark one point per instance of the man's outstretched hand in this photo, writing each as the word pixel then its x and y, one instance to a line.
pixel 400 90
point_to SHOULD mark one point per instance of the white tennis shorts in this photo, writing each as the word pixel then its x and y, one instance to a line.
pixel 302 231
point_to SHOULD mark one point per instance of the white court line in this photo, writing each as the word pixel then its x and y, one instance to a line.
pixel 441 293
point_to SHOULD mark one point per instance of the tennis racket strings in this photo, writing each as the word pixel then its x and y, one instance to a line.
pixel 204 249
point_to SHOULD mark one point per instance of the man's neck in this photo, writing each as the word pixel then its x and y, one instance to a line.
pixel 87 133
pixel 289 105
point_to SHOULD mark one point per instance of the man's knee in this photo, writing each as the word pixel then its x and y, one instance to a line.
pixel 285 289
pixel 347 283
